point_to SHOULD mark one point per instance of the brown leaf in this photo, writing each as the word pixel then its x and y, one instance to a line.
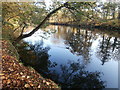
pixel 27 85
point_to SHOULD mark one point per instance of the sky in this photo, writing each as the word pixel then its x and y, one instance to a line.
pixel 48 3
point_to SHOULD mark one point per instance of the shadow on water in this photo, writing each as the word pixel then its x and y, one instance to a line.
pixel 35 56
pixel 72 75
pixel 86 47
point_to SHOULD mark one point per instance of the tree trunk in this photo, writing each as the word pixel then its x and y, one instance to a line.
pixel 44 20
pixel 113 13
pixel 119 13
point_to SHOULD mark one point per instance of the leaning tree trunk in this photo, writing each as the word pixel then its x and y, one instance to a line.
pixel 43 22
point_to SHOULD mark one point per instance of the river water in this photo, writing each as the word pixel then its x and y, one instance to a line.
pixel 74 57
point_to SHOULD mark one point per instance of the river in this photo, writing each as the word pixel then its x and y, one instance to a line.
pixel 74 57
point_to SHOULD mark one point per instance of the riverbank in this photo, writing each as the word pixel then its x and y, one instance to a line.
pixel 103 26
pixel 15 75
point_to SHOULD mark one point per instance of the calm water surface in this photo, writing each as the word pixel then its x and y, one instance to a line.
pixel 73 56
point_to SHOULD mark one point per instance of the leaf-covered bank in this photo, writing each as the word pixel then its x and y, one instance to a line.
pixel 16 75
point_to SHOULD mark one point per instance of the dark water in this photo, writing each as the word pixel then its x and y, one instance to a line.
pixel 74 57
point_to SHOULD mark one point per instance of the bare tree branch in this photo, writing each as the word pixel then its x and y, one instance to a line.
pixel 23 29
pixel 17 28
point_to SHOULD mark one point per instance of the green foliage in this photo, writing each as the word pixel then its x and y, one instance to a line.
pixel 91 13
pixel 17 15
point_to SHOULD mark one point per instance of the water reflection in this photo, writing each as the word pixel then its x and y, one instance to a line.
pixel 72 56
pixel 79 42
pixel 35 56
pixel 108 47
pixel 73 75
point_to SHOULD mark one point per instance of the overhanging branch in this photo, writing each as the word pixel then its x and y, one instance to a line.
pixel 44 20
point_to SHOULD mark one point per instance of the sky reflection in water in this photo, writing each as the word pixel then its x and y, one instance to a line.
pixel 97 51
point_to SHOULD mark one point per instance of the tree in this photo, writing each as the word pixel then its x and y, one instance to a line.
pixel 118 12
pixel 66 5
pixel 43 21
pixel 17 16
pixel 30 13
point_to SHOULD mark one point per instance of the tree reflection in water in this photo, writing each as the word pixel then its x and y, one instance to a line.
pixel 108 49
pixel 72 75
pixel 79 42
pixel 36 56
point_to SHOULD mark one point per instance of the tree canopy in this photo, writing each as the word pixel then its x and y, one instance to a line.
pixel 18 16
